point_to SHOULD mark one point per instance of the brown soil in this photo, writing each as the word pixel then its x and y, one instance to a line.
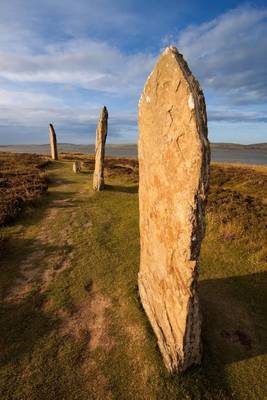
pixel 90 317
pixel 32 268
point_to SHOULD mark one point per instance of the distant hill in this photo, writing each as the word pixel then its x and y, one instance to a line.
pixel 220 152
pixel 126 150
pixel 256 146
pixel 114 149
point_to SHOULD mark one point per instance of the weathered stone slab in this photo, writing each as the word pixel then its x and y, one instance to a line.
pixel 174 167
pixel 53 142
pixel 101 135
pixel 77 167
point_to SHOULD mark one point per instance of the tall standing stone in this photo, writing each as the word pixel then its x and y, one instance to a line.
pixel 174 167
pixel 101 135
pixel 53 142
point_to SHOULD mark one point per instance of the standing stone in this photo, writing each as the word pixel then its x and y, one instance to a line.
pixel 101 135
pixel 53 142
pixel 76 166
pixel 174 167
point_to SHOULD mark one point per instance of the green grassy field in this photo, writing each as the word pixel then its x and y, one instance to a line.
pixel 71 322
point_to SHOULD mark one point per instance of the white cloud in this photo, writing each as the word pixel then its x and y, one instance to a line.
pixel 65 17
pixel 225 115
pixel 15 98
pixel 27 114
pixel 228 54
pixel 79 62
pixel 50 47
pixel 55 42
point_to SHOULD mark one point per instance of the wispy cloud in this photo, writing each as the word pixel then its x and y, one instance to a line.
pixel 225 115
pixel 229 55
pixel 14 98
pixel 79 62
pixel 51 51
pixel 29 114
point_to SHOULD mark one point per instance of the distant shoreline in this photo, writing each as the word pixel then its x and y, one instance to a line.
pixel 70 147
pixel 220 152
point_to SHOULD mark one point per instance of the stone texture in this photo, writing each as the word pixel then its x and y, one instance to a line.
pixel 101 135
pixel 77 166
pixel 174 167
pixel 53 142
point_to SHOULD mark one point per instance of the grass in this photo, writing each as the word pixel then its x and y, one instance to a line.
pixel 96 234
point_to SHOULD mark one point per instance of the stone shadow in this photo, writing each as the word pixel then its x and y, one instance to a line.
pixel 234 317
pixel 121 189
pixel 233 329
pixel 52 182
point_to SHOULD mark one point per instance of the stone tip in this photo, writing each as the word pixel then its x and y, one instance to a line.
pixel 105 110
pixel 170 49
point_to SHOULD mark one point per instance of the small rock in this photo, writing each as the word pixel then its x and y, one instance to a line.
pixel 77 167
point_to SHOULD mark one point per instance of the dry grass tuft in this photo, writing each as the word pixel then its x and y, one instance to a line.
pixel 22 179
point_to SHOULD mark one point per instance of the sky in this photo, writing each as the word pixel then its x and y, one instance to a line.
pixel 62 60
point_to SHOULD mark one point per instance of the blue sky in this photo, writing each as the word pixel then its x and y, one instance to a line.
pixel 61 61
